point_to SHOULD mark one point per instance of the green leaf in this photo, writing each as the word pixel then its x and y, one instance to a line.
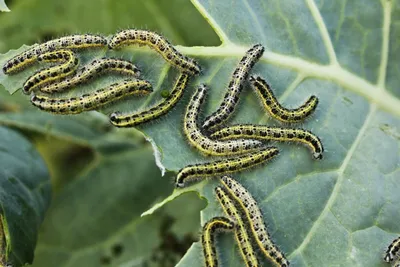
pixel 340 211
pixel 25 194
pixel 3 6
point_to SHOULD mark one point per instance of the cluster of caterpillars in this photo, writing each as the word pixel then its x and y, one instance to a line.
pixel 241 145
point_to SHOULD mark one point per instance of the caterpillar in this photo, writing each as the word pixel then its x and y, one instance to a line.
pixel 158 43
pixel 276 110
pixel 254 215
pixel 225 166
pixel 95 68
pixel 69 64
pixel 393 250
pixel 93 100
pixel 130 120
pixel 21 61
pixel 272 133
pixel 208 238
pixel 241 234
pixel 202 142
pixel 235 86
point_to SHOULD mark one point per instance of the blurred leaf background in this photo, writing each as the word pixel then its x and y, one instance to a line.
pixel 94 169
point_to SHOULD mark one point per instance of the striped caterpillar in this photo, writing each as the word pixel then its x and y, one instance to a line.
pixel 158 43
pixel 21 61
pixel 276 110
pixel 210 229
pixel 255 218
pixel 68 66
pixel 272 133
pixel 202 142
pixel 393 251
pixel 235 86
pixel 93 69
pixel 241 234
pixel 130 120
pixel 225 166
pixel 93 100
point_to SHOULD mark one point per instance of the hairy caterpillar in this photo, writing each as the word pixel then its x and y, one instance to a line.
pixel 235 86
pixel 130 120
pixel 208 238
pixel 92 100
pixel 272 133
pixel 275 108
pixel 95 68
pixel 68 66
pixel 158 43
pixel 254 215
pixel 202 142
pixel 21 61
pixel 241 234
pixel 393 250
pixel 225 166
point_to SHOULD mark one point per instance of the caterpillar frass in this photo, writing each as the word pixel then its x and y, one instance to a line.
pixel 235 86
pixel 208 235
pixel 250 208
pixel 158 43
pixel 133 119
pixel 93 69
pixel 225 166
pixel 68 66
pixel 276 110
pixel 21 61
pixel 203 143
pixel 242 237
pixel 92 100
pixel 393 250
pixel 261 132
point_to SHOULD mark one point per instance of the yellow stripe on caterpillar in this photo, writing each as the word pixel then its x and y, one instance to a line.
pixel 203 143
pixel 276 110
pixel 261 132
pixel 208 238
pixel 132 119
pixel 158 43
pixel 69 63
pixel 231 98
pixel 393 250
pixel 21 61
pixel 92 100
pixel 91 70
pixel 241 234
pixel 225 166
pixel 250 208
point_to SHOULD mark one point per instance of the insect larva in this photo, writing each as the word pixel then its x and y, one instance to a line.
pixel 93 69
pixel 254 215
pixel 272 133
pixel 276 110
pixel 158 43
pixel 235 86
pixel 19 62
pixel 202 142
pixel 131 120
pixel 208 238
pixel 92 100
pixel 225 166
pixel 241 234
pixel 393 250
pixel 69 64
